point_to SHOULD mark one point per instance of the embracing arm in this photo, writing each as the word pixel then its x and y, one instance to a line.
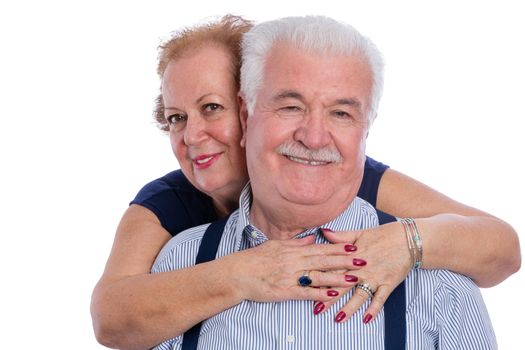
pixel 133 309
pixel 455 237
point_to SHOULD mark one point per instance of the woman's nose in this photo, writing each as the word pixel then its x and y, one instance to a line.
pixel 195 130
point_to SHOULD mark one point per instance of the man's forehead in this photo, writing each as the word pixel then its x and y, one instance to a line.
pixel 291 72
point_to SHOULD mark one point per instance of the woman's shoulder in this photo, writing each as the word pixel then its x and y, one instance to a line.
pixel 173 181
pixel 373 172
pixel 176 202
pixel 373 165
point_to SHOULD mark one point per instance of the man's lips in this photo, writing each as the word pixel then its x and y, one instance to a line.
pixel 307 161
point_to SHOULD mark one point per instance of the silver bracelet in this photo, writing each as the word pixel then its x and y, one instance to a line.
pixel 415 245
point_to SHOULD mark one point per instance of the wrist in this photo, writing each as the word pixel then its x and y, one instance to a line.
pixel 414 241
pixel 232 283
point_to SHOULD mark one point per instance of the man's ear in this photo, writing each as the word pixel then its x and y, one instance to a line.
pixel 243 116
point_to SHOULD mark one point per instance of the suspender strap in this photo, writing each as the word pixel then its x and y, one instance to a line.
pixel 395 307
pixel 207 252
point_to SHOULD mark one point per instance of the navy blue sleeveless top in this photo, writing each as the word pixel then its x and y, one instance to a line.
pixel 179 206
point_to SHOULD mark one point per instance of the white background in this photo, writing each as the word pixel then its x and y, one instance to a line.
pixel 77 83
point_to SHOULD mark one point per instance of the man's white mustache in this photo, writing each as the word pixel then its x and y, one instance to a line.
pixel 297 150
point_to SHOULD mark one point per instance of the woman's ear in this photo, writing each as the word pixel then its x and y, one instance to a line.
pixel 243 116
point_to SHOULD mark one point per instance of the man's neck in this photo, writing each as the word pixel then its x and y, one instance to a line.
pixel 285 220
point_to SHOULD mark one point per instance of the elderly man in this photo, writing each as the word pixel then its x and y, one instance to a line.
pixel 310 89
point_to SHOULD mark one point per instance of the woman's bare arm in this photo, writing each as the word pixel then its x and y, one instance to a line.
pixel 456 237
pixel 133 309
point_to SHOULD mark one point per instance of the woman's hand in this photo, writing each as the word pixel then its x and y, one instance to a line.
pixel 389 262
pixel 270 271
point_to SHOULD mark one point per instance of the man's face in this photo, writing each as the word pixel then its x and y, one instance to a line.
pixel 305 142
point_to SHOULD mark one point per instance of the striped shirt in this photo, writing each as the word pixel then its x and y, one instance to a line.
pixel 444 310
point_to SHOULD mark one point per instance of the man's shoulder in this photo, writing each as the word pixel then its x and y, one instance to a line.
pixel 367 212
pixel 181 248
pixel 455 283
pixel 445 287
pixel 453 304
pixel 445 279
pixel 358 215
pixel 364 205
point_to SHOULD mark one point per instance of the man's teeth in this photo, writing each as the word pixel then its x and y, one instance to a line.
pixel 307 162
pixel 204 160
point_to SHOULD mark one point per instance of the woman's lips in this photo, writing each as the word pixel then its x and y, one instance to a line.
pixel 205 161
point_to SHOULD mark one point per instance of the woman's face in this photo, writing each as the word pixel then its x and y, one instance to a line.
pixel 200 101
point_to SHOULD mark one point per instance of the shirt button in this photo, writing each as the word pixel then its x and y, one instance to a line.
pixel 254 234
pixel 290 338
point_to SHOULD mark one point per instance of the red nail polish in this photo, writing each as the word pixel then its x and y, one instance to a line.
pixel 367 318
pixel 351 278
pixel 332 293
pixel 340 316
pixel 359 262
pixel 319 306
pixel 350 248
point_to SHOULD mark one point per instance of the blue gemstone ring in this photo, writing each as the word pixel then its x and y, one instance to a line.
pixel 304 280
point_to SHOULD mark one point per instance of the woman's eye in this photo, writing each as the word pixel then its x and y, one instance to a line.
pixel 211 107
pixel 176 118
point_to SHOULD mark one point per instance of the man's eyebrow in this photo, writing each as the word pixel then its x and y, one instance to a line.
pixel 352 102
pixel 287 94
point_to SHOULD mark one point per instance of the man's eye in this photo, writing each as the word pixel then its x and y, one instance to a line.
pixel 291 109
pixel 211 107
pixel 341 114
pixel 176 118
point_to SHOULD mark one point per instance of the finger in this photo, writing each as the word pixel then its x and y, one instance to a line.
pixel 324 249
pixel 331 279
pixel 378 301
pixel 333 262
pixel 322 306
pixel 324 295
pixel 341 236
pixel 357 300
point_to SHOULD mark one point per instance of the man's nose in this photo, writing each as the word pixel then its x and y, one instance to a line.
pixel 312 131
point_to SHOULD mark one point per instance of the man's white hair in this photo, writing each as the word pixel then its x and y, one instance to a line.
pixel 316 34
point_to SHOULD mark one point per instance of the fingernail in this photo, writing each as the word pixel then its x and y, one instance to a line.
pixel 332 293
pixel 340 316
pixel 359 262
pixel 326 230
pixel 350 248
pixel 351 278
pixel 319 306
pixel 367 318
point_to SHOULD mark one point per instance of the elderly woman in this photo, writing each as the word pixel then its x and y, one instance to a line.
pixel 133 309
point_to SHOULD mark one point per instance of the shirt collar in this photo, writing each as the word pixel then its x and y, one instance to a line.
pixel 347 220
